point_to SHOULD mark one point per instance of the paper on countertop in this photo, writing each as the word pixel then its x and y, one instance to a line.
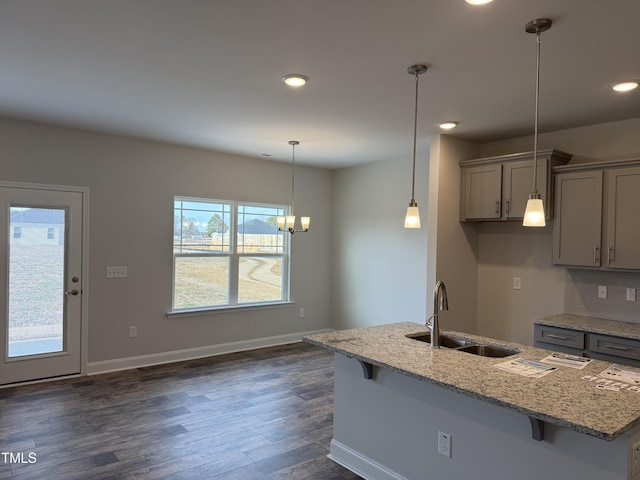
pixel 525 368
pixel 620 374
pixel 566 360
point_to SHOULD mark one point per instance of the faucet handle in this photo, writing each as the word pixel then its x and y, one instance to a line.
pixel 429 322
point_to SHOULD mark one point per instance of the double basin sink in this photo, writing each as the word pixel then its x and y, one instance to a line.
pixel 467 346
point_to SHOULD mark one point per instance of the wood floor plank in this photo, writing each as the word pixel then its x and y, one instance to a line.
pixel 265 414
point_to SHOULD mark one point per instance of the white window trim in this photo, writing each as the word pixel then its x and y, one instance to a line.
pixel 234 257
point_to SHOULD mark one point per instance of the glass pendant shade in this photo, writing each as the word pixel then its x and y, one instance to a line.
pixel 534 213
pixel 305 222
pixel 290 221
pixel 280 221
pixel 412 218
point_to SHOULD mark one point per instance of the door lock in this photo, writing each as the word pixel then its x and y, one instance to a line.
pixel 75 291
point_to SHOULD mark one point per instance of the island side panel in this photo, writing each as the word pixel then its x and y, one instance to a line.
pixel 387 427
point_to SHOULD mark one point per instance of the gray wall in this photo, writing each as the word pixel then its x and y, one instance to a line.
pixel 132 184
pixel 379 267
pixel 357 267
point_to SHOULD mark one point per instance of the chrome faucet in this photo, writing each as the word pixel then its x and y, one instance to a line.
pixel 440 302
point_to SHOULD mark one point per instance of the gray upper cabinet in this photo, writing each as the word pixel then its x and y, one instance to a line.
pixel 623 218
pixel 597 215
pixel 578 219
pixel 482 192
pixel 497 188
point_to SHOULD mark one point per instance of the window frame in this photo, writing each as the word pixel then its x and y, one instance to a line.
pixel 234 257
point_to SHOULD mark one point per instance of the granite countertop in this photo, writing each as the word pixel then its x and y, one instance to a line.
pixel 601 326
pixel 565 397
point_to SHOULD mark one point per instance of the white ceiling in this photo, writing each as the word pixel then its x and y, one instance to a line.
pixel 208 72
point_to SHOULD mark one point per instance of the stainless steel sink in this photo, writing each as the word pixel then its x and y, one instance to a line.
pixel 487 351
pixel 445 341
pixel 467 346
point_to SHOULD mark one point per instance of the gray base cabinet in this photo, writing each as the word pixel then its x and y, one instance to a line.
pixel 609 348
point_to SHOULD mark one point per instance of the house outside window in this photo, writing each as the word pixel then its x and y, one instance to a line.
pixel 17 232
pixel 228 254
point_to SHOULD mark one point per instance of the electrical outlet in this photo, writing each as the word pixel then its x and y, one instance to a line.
pixel 631 294
pixel 301 313
pixel 133 331
pixel 602 291
pixel 117 272
pixel 516 283
pixel 444 444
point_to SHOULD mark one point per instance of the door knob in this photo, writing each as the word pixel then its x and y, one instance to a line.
pixel 75 291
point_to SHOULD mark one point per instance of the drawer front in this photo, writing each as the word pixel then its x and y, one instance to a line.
pixel 559 336
pixel 616 346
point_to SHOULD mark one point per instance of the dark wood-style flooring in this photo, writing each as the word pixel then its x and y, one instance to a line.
pixel 259 415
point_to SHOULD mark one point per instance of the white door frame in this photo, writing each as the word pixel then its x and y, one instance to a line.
pixel 84 285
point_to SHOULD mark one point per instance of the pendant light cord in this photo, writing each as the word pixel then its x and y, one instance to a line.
pixel 534 192
pixel 293 173
pixel 415 134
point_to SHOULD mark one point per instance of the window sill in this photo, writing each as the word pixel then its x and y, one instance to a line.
pixel 197 312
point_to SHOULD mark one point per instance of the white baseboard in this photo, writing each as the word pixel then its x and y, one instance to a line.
pixel 360 464
pixel 94 368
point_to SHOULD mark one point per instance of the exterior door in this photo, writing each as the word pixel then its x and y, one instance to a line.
pixel 41 236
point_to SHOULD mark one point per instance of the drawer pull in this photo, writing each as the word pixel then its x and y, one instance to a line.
pixel 498 208
pixel 558 337
pixel 616 347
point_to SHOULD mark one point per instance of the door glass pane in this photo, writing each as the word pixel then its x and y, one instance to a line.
pixel 36 281
pixel 201 281
pixel 260 279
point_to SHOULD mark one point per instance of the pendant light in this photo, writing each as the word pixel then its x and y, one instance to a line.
pixel 534 213
pixel 288 223
pixel 412 218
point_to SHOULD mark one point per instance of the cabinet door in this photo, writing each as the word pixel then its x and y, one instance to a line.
pixel 578 219
pixel 518 184
pixel 482 192
pixel 623 218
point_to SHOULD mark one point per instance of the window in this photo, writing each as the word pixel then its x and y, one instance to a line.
pixel 228 253
pixel 50 233
pixel 17 232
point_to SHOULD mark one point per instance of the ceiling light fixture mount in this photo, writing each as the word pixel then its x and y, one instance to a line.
pixel 295 79
pixel 412 218
pixel 288 223
pixel 534 215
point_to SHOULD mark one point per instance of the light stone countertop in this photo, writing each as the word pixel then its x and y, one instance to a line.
pixel 563 397
pixel 593 325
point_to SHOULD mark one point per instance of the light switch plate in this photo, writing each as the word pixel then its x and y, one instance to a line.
pixel 631 294
pixel 517 283
pixel 117 272
pixel 602 291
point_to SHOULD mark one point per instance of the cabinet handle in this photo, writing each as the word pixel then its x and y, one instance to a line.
pixel 498 208
pixel 595 254
pixel 610 255
pixel 558 337
pixel 508 206
pixel 616 347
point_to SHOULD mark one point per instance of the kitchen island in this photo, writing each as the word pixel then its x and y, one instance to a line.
pixel 394 394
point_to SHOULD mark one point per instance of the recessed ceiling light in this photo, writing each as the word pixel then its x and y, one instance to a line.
pixel 448 125
pixel 478 2
pixel 624 86
pixel 295 79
